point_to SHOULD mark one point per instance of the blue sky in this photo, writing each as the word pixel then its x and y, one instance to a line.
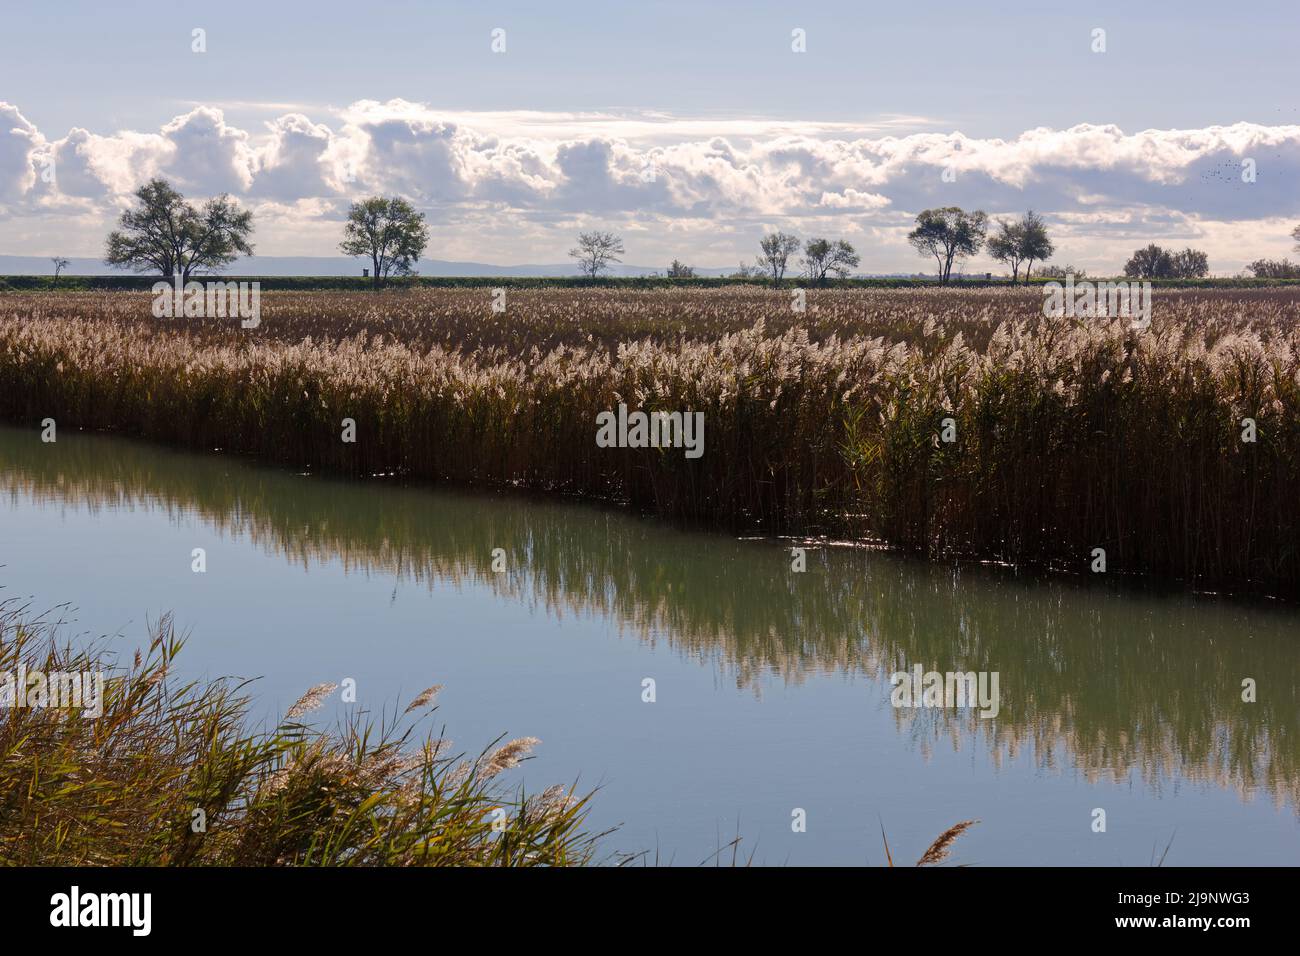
pixel 689 128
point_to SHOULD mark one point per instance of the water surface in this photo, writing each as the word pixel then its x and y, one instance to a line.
pixel 772 687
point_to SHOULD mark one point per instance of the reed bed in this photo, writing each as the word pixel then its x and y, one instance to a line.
pixel 170 775
pixel 1071 434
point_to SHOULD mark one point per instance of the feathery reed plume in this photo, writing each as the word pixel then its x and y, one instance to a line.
pixel 938 851
pixel 310 701
pixel 423 699
pixel 507 756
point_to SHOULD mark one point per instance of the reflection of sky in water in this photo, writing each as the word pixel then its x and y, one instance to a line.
pixel 772 687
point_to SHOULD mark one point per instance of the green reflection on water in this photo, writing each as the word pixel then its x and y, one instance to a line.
pixel 1104 679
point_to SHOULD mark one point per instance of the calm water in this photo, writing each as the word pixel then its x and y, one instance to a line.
pixel 772 687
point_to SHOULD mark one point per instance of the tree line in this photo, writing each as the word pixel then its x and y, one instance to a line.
pixel 167 234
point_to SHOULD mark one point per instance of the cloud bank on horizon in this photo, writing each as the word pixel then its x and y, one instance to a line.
pixel 513 187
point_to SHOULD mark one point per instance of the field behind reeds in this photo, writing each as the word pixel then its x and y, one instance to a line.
pixel 1071 434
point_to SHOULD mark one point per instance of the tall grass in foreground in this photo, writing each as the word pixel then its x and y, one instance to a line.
pixel 170 775
pixel 1071 434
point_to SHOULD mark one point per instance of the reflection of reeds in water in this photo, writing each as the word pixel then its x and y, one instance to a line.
pixel 1104 683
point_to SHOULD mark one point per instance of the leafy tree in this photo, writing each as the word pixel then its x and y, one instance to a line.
pixel 822 257
pixel 680 270
pixel 1035 244
pixel 1005 247
pixel 389 231
pixel 1151 262
pixel 1154 262
pixel 1275 269
pixel 948 234
pixel 168 235
pixel 777 250
pixel 1189 264
pixel 1025 240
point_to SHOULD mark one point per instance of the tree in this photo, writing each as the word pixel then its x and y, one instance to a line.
pixel 680 270
pixel 1149 263
pixel 1274 269
pixel 1060 272
pixel 1035 244
pixel 60 264
pixel 168 235
pixel 1189 264
pixel 1154 262
pixel 389 231
pixel 821 256
pixel 1005 247
pixel 1295 234
pixel 595 251
pixel 1025 240
pixel 777 250
pixel 948 234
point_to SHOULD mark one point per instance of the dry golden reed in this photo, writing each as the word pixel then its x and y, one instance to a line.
pixel 171 775
pixel 1070 434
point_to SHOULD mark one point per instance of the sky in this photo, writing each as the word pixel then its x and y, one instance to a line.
pixel 690 129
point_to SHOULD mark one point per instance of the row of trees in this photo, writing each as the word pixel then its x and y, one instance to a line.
pixel 1278 268
pixel 821 259
pixel 950 235
pixel 1274 269
pixel 167 234
pixel 1154 262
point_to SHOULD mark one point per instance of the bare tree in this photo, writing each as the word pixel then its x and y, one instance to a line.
pixel 777 250
pixel 60 264
pixel 595 251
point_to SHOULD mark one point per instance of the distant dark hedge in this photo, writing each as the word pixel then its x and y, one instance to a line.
pixel 120 283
